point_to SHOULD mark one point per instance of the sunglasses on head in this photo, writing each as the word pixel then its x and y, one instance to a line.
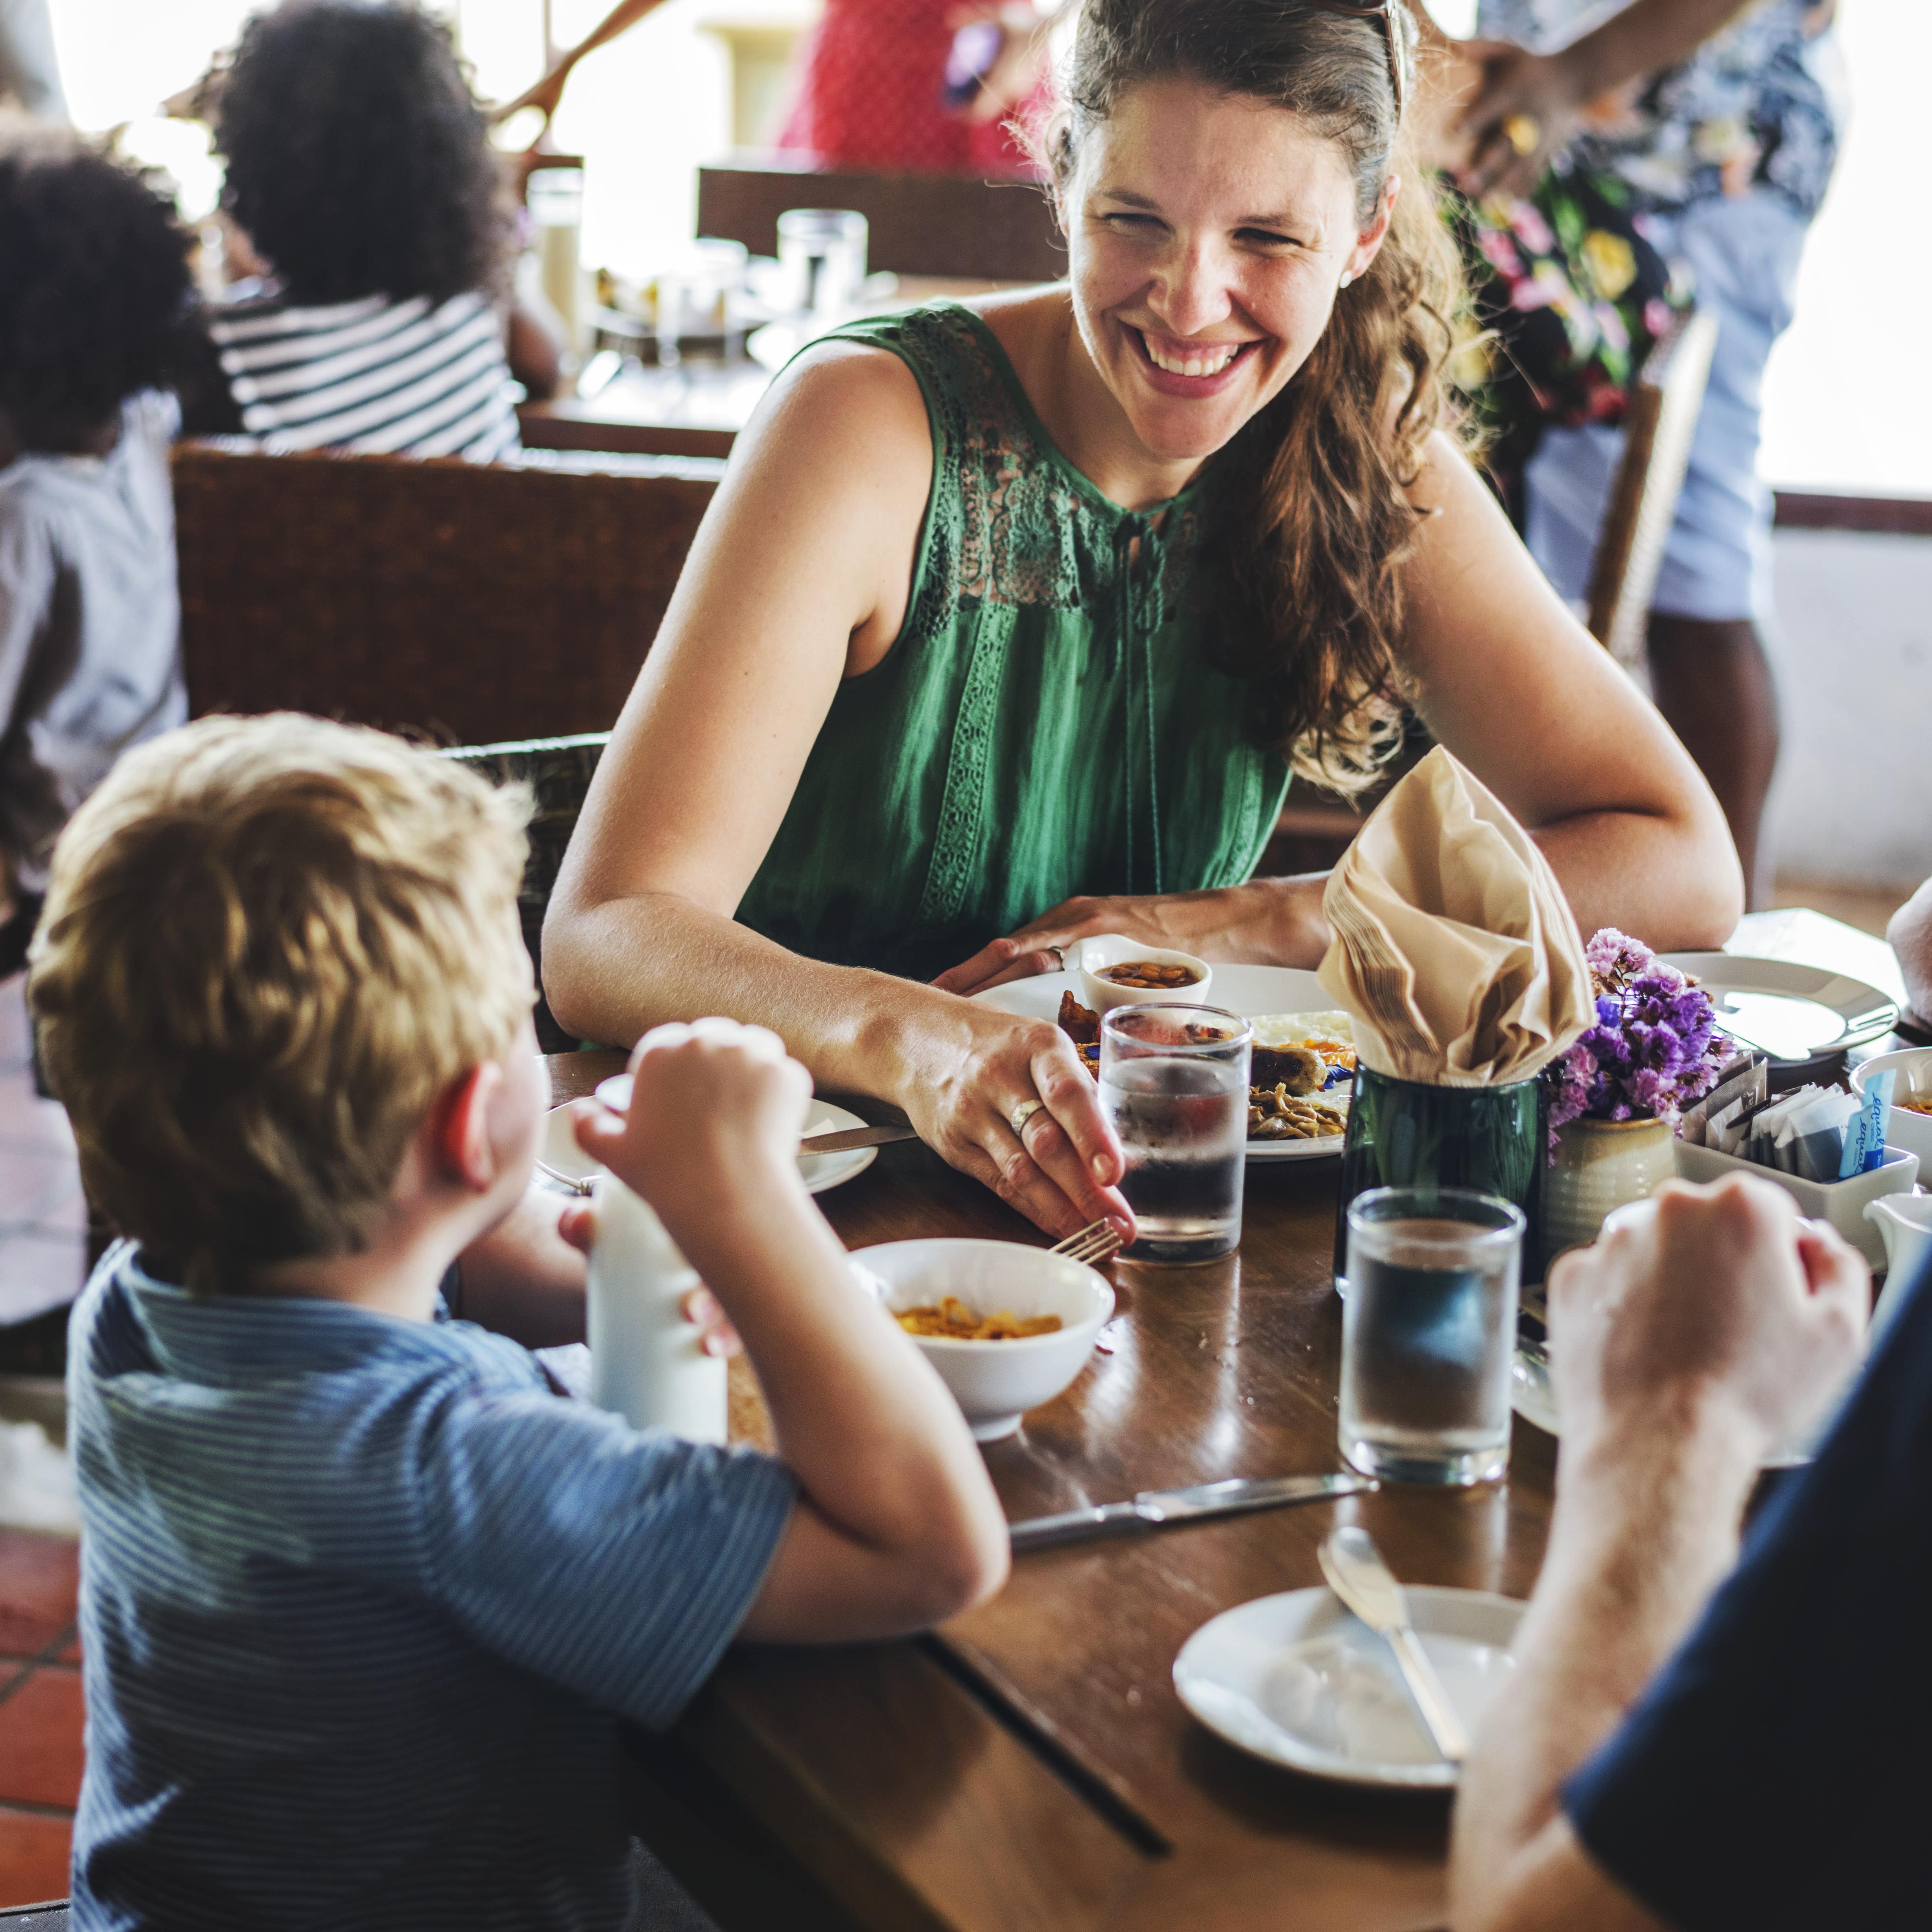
pixel 1383 11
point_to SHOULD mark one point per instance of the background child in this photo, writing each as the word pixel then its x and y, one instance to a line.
pixel 362 1601
pixel 95 314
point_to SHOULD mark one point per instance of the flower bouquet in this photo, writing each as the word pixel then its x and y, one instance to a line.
pixel 1615 1096
pixel 1655 1049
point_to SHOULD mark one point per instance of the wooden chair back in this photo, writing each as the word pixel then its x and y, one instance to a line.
pixel 918 224
pixel 1659 419
pixel 558 772
pixel 471 602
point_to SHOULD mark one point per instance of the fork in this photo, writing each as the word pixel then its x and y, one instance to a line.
pixel 1098 1241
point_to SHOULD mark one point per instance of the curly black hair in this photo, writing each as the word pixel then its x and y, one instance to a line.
pixel 358 162
pixel 96 297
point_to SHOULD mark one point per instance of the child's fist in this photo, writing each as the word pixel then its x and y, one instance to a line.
pixel 714 1105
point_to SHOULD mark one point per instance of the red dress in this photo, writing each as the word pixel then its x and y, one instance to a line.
pixel 868 96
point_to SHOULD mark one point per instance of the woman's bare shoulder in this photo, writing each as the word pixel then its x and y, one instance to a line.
pixel 852 393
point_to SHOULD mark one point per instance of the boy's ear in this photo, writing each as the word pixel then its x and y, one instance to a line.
pixel 460 1148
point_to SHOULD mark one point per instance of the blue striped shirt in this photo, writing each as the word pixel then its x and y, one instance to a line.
pixel 362 1603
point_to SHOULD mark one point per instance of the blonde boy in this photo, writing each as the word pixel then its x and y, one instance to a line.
pixel 363 1601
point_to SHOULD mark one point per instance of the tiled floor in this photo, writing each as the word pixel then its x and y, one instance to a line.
pixel 40 1714
pixel 43 1256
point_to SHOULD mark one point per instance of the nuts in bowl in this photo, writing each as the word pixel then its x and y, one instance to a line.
pixel 1116 971
pixel 996 1380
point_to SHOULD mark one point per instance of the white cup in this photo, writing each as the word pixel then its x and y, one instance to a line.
pixel 647 1362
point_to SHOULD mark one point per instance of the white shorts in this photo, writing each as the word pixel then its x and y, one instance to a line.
pixel 1744 251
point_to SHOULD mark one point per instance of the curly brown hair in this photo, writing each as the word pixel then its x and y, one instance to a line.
pixel 96 299
pixel 358 160
pixel 1317 520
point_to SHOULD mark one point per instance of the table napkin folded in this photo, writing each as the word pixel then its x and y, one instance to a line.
pixel 1454 949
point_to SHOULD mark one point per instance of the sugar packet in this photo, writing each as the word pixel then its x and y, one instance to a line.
pixel 1746 1076
pixel 1864 1137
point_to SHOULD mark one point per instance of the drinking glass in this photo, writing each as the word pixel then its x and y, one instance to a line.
pixel 822 252
pixel 556 199
pixel 1174 1081
pixel 1428 1333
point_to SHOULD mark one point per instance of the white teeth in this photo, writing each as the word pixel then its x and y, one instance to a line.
pixel 1194 365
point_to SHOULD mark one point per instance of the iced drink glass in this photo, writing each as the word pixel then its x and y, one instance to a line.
pixel 1174 1081
pixel 1428 1334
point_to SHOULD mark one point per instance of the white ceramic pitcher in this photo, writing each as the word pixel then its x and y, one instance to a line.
pixel 1904 1221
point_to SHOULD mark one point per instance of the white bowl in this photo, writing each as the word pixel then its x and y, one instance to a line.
pixel 1092 956
pixel 1904 1128
pixel 995 1383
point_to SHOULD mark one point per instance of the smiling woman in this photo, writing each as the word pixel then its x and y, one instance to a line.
pixel 1011 623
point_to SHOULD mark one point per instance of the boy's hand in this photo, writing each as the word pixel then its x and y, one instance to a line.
pixel 577 1225
pixel 716 1110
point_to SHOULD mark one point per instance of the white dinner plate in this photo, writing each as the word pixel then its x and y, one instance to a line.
pixel 1296 1679
pixel 1249 990
pixel 820 1170
pixel 1792 1012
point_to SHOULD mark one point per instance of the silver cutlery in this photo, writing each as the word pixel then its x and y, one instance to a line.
pixel 1356 1574
pixel 847 1138
pixel 569 1182
pixel 1096 1242
pixel 1155 1509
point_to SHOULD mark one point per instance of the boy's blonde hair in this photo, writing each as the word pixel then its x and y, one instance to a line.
pixel 268 944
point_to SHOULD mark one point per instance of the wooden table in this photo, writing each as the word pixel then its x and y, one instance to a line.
pixel 698 408
pixel 1030 1766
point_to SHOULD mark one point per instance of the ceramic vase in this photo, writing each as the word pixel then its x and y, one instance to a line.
pixel 1489 1139
pixel 1601 1165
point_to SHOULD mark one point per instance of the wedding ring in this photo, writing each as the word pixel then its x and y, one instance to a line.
pixel 1059 952
pixel 1021 1114
pixel 1524 133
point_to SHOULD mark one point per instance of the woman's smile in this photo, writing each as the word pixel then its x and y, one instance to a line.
pixel 1180 366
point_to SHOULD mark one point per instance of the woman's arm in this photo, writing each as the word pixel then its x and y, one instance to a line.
pixel 800 575
pixel 1513 685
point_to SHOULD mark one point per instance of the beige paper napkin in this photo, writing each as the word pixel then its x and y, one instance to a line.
pixel 1454 949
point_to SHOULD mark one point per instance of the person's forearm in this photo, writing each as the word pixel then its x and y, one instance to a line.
pixel 1674 884
pixel 876 1442
pixel 1909 935
pixel 613 972
pixel 1640 1538
pixel 1645 37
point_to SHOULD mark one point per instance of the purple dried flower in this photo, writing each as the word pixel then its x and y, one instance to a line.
pixel 1655 1046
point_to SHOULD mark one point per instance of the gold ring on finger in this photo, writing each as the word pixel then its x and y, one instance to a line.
pixel 1021 1114
pixel 1524 133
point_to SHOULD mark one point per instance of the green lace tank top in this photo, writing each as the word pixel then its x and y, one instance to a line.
pixel 1046 724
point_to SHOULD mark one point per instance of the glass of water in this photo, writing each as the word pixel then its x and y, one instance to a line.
pixel 822 251
pixel 1428 1333
pixel 1174 1081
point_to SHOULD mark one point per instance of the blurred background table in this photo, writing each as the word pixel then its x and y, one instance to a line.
pixel 697 407
pixel 1030 1765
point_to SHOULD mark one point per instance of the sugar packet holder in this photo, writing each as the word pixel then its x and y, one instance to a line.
pixel 1745 1078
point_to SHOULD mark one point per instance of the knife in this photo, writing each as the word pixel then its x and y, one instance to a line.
pixel 1357 1574
pixel 856 1137
pixel 1154 1509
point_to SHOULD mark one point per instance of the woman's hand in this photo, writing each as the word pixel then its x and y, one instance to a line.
pixel 1525 114
pixel 577 1225
pixel 1062 1166
pixel 1266 922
